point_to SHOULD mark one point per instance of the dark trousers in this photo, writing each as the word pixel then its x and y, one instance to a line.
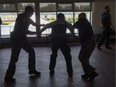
pixel 66 52
pixel 85 53
pixel 105 37
pixel 17 44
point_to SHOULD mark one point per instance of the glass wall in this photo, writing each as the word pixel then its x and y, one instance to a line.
pixel 8 15
pixel 47 13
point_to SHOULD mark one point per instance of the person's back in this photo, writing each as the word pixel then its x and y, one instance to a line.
pixel 58 33
pixel 85 29
pixel 21 25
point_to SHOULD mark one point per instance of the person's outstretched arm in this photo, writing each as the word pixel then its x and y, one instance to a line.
pixel 71 28
pixel 49 25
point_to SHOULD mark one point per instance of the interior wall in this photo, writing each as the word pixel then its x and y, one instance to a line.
pixel 98 9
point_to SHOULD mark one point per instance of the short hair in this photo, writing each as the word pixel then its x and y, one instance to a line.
pixel 28 9
pixel 60 16
pixel 107 7
pixel 82 15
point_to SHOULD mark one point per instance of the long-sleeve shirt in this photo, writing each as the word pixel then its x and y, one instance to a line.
pixel 85 29
pixel 58 30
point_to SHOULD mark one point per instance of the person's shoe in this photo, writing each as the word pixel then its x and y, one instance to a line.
pixel 92 76
pixel 85 76
pixel 108 47
pixel 9 80
pixel 36 73
pixel 52 72
pixel 70 75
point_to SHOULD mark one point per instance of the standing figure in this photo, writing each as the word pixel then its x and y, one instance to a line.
pixel 58 39
pixel 0 21
pixel 0 30
pixel 107 27
pixel 87 46
pixel 19 40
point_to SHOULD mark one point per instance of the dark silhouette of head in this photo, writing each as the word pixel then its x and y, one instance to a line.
pixel 107 8
pixel 60 16
pixel 28 11
pixel 82 16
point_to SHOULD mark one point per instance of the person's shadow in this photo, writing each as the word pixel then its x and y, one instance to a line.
pixel 33 81
pixel 9 84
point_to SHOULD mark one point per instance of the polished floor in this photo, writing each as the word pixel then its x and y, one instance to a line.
pixel 104 61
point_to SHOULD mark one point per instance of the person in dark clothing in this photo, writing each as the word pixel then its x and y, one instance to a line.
pixel 0 30
pixel 19 40
pixel 107 27
pixel 58 39
pixel 87 41
pixel 0 21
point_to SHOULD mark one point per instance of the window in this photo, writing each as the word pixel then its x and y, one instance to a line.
pixel 82 6
pixel 7 7
pixel 66 7
pixel 21 6
pixel 47 7
pixel 47 13
pixel 8 16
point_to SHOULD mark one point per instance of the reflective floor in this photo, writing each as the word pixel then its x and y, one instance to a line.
pixel 104 61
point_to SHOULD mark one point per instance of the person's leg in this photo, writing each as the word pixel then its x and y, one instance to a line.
pixel 107 40
pixel 84 56
pixel 12 65
pixel 53 57
pixel 101 41
pixel 31 61
pixel 68 58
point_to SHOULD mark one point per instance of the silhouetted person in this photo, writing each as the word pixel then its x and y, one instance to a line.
pixel 19 40
pixel 0 30
pixel 0 21
pixel 107 27
pixel 87 46
pixel 58 39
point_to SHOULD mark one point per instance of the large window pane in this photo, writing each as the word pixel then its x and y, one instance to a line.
pixel 47 6
pixel 47 17
pixel 82 6
pixel 64 7
pixel 8 21
pixel 21 6
pixel 7 7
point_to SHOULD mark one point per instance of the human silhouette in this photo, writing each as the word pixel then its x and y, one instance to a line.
pixel 0 30
pixel 19 40
pixel 87 41
pixel 58 40
pixel 107 27
pixel 0 21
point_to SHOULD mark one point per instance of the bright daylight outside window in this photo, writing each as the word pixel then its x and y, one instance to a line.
pixel 47 15
pixel 47 11
pixel 8 16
